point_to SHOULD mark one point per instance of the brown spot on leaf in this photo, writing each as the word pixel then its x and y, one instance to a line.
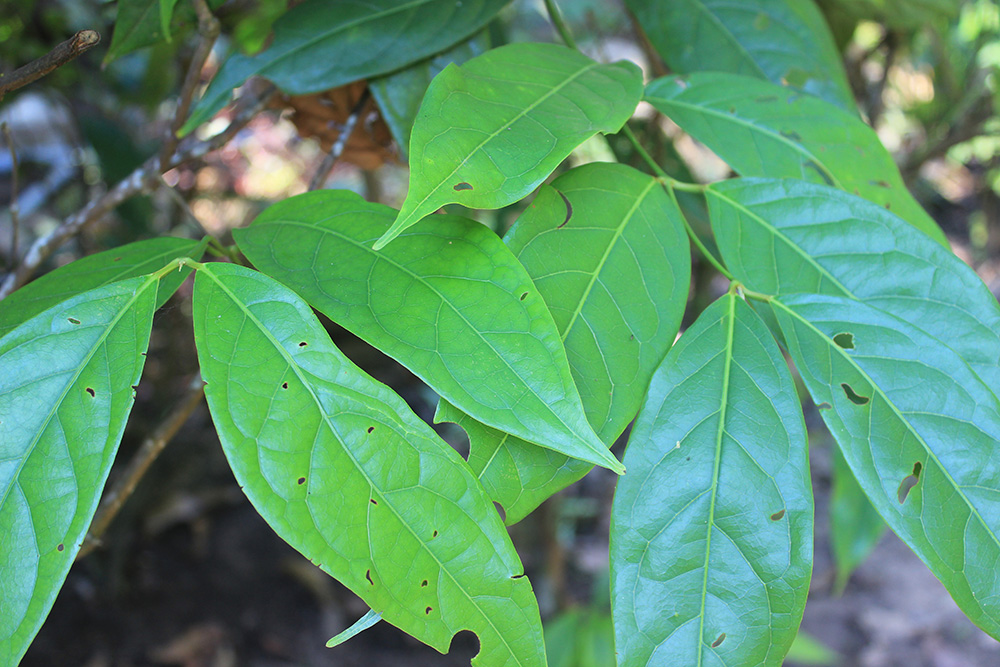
pixel 302 480
pixel 368 576
pixel 73 320
pixel 777 516
pixel 90 391
pixel 462 186
pixel 908 483
pixel 853 396
pixel 61 547
pixel 718 640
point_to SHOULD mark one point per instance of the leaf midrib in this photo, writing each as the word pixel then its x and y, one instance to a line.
pixel 299 373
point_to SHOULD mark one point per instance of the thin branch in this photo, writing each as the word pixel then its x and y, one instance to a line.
pixel 143 179
pixel 151 447
pixel 74 46
pixel 338 146
pixel 15 218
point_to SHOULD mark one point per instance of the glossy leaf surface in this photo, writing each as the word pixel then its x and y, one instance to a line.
pixel 66 388
pixel 920 431
pixel 343 471
pixel 491 130
pixel 846 246
pixel 605 246
pixel 763 129
pixel 783 41
pixel 449 301
pixel 855 525
pixel 319 45
pixel 711 534
pixel 103 268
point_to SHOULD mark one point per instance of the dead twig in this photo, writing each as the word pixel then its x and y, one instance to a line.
pixel 144 178
pixel 74 46
pixel 338 146
pixel 15 224
pixel 151 447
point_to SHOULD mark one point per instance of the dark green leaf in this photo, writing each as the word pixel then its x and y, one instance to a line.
pixel 490 131
pixel 67 378
pixel 919 430
pixel 399 94
pixel 606 248
pixel 319 45
pixel 139 24
pixel 901 14
pixel 450 302
pixel 103 268
pixel 784 41
pixel 711 534
pixel 855 526
pixel 783 237
pixel 343 471
pixel 762 129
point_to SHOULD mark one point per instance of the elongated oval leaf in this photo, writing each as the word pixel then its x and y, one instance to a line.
pixel 762 129
pixel 606 248
pixel 67 379
pixel 919 430
pixel 319 45
pixel 103 268
pixel 783 41
pixel 450 302
pixel 786 236
pixel 711 534
pixel 343 471
pixel 491 130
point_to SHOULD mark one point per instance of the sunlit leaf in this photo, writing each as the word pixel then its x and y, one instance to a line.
pixel 449 301
pixel 491 130
pixel 711 533
pixel 342 470
pixel 67 383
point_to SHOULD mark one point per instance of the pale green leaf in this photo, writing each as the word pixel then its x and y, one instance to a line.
pixel 67 384
pixel 786 236
pixel 763 129
pixel 370 618
pixel 711 533
pixel 919 430
pixel 342 470
pixel 319 45
pixel 855 525
pixel 103 268
pixel 491 130
pixel 606 248
pixel 166 14
pixel 450 302
pixel 783 41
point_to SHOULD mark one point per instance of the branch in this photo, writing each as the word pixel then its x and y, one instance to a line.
pixel 139 464
pixel 338 146
pixel 144 178
pixel 77 44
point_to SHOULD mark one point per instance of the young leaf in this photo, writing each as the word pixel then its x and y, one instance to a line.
pixel 855 525
pixel 103 268
pixel 450 302
pixel 711 533
pixel 606 248
pixel 919 430
pixel 166 14
pixel 784 41
pixel 67 378
pixel 343 471
pixel 785 236
pixel 319 45
pixel 491 130
pixel 762 129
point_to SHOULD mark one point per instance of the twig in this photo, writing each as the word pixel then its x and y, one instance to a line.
pixel 208 29
pixel 338 146
pixel 57 57
pixel 876 103
pixel 145 177
pixel 151 447
pixel 15 224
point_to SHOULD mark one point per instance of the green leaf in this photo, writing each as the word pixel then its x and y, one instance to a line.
pixel 343 471
pixel 67 378
pixel 855 525
pixel 399 94
pixel 166 13
pixel 370 618
pixel 490 131
pixel 138 24
pixel 846 246
pixel 711 533
pixel 762 129
pixel 901 14
pixel 807 650
pixel 919 430
pixel 319 45
pixel 103 268
pixel 783 41
pixel 607 251
pixel 450 302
